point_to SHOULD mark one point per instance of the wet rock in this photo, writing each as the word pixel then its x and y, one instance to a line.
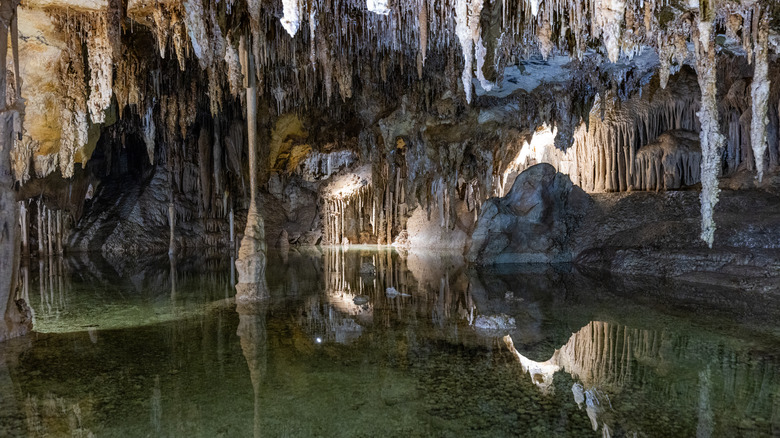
pixel 310 238
pixel 283 243
pixel 495 322
pixel 532 223
pixel 391 292
pixel 360 300
pixel 656 234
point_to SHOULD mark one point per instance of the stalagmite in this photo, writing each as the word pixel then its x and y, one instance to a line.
pixel 15 317
pixel 251 260
pixel 760 95
pixel 711 138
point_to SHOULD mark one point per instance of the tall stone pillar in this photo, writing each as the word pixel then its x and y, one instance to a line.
pixel 16 316
pixel 251 260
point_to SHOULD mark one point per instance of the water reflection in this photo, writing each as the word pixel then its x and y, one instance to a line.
pixel 652 368
pixel 154 348
pixel 254 345
pixel 86 292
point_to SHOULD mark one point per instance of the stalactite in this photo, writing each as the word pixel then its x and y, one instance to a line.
pixel 101 64
pixel 162 24
pixel 149 132
pixel 39 214
pixel 58 220
pixel 422 19
pixel 711 138
pixel 760 94
pixel 171 227
pixel 232 222
pixel 179 37
pixel 204 168
pixel 73 111
pixel 234 68
pixel 196 29
pixel 544 37
pixel 466 44
pixel 217 151
pixel 25 227
pixel 49 233
pixel 291 20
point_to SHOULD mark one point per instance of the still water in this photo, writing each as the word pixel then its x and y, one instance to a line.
pixel 155 348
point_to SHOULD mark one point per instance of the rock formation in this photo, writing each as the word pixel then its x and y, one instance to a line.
pixel 200 123
pixel 15 318
pixel 532 223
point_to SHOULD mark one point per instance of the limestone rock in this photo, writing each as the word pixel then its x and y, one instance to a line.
pixel 495 322
pixel 532 223
pixel 670 162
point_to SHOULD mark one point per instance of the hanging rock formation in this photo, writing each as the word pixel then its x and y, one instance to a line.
pixel 670 162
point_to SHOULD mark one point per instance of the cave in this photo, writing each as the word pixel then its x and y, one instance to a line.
pixel 390 218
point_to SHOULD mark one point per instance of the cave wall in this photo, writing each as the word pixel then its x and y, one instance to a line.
pixel 374 126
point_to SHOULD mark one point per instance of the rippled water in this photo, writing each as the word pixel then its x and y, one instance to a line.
pixel 156 348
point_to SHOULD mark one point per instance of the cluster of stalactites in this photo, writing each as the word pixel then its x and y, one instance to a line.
pixel 605 152
pixel 74 108
pixel 84 100
pixel 358 208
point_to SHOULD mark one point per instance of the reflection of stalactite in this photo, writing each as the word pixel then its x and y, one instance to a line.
pixel 705 418
pixel 608 358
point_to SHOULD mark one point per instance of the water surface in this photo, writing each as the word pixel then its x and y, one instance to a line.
pixel 156 348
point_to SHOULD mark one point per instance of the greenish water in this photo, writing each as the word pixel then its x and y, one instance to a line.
pixel 155 348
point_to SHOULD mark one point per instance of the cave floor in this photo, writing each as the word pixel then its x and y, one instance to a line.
pixel 155 347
